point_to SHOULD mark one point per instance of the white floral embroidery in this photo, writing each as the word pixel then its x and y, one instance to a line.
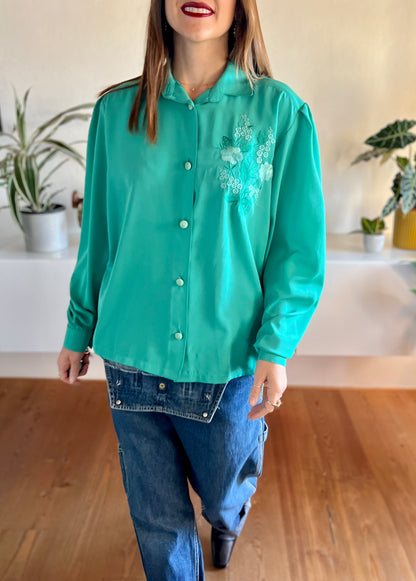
pixel 253 192
pixel 244 129
pixel 232 154
pixel 246 166
pixel 266 171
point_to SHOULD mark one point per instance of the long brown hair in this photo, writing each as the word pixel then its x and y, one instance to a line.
pixel 246 49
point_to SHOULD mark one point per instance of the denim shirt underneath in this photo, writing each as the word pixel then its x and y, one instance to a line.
pixel 131 389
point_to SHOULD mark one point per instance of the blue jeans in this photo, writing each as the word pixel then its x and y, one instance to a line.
pixel 169 432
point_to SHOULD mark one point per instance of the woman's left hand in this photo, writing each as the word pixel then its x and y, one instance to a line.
pixel 274 377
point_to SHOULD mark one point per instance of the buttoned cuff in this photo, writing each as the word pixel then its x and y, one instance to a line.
pixel 265 356
pixel 77 339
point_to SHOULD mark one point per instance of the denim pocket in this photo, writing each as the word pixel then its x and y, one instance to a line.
pixel 123 385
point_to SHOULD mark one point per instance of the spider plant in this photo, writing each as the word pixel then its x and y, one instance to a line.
pixel 25 158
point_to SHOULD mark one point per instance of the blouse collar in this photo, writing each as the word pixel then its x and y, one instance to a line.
pixel 230 83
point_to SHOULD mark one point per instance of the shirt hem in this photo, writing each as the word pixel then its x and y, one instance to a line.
pixel 169 373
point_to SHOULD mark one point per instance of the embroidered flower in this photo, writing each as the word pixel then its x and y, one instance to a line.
pixel 243 129
pixel 266 171
pixel 246 164
pixel 232 154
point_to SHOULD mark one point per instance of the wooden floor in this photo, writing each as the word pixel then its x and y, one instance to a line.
pixel 336 501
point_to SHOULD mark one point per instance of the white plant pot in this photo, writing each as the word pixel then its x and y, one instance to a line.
pixel 374 242
pixel 45 231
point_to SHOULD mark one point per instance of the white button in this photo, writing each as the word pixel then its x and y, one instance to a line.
pixel 162 385
pixel 184 223
pixel 205 414
pixel 180 281
pixel 118 401
pixel 190 106
pixel 188 165
pixel 178 335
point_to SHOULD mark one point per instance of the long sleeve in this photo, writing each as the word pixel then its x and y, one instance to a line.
pixel 93 247
pixel 294 268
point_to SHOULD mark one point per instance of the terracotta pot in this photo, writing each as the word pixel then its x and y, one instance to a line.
pixel 404 229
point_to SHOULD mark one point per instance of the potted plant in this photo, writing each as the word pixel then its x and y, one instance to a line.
pixel 373 234
pixel 24 159
pixel 403 201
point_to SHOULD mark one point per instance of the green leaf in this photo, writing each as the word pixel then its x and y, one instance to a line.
pixel 392 204
pixel 32 178
pixel 22 180
pixel 394 136
pixel 48 201
pixel 17 176
pixel 386 156
pixel 63 121
pixel 12 196
pixel 20 121
pixel 65 149
pixel 56 118
pixel 408 189
pixel 367 155
pixel 372 226
pixel 365 223
pixel 25 99
pixel 226 142
pixel 402 162
pixel 50 154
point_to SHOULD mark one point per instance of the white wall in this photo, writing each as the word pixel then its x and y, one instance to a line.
pixel 352 61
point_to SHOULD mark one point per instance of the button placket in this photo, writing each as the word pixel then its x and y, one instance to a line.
pixel 181 264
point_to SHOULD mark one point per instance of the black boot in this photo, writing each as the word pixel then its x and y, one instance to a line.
pixel 222 545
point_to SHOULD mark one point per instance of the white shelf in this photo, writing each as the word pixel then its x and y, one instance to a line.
pixel 350 248
pixel 13 248
pixel 340 248
pixel 366 308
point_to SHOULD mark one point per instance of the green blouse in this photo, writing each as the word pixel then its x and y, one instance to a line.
pixel 206 251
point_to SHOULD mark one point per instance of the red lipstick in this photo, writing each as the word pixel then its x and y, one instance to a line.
pixel 197 9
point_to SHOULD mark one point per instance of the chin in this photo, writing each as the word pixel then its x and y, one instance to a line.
pixel 196 36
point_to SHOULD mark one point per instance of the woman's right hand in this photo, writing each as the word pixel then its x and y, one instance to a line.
pixel 69 365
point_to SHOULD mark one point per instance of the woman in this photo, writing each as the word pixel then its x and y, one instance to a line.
pixel 201 263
